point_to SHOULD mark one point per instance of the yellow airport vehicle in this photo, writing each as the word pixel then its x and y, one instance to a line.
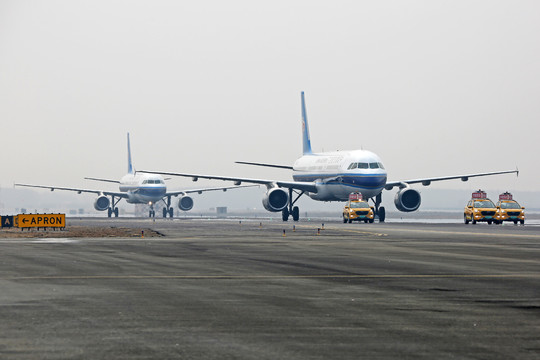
pixel 356 209
pixel 509 210
pixel 479 208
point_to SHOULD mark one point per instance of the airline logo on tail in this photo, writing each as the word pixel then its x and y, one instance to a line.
pixel 305 129
pixel 130 165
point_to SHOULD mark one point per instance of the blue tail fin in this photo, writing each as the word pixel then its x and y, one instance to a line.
pixel 305 128
pixel 131 170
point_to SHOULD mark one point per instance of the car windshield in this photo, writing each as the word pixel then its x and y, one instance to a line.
pixel 359 205
pixel 483 204
pixel 510 205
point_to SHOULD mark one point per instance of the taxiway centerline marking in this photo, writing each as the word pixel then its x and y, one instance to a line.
pixel 258 277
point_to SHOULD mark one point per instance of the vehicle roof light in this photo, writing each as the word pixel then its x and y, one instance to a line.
pixel 479 195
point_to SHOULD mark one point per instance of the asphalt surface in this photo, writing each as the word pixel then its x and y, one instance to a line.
pixel 231 289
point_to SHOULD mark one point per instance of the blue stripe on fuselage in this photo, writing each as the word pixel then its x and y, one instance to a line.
pixel 355 180
pixel 151 191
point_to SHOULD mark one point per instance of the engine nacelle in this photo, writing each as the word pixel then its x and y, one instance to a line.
pixel 102 203
pixel 185 203
pixel 407 200
pixel 276 199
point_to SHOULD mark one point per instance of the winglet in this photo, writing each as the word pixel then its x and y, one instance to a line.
pixel 131 170
pixel 305 129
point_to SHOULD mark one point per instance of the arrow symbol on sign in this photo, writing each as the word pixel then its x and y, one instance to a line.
pixel 24 221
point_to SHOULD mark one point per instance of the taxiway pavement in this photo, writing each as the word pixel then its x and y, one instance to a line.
pixel 244 289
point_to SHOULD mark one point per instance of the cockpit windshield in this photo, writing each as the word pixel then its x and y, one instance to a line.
pixel 365 165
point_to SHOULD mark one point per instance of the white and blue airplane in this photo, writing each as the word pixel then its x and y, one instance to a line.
pixel 137 188
pixel 332 176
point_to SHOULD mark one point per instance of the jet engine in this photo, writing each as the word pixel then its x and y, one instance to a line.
pixel 102 203
pixel 185 203
pixel 276 199
pixel 407 200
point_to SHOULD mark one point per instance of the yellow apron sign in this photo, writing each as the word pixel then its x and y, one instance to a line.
pixel 41 220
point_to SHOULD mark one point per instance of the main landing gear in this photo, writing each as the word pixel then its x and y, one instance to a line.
pixel 380 211
pixel 113 209
pixel 291 209
pixel 168 209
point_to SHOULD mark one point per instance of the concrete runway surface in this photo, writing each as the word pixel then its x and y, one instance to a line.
pixel 231 289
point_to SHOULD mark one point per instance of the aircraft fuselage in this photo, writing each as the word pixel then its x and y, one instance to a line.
pixel 337 174
pixel 143 188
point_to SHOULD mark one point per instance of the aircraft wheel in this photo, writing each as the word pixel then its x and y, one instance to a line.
pixel 171 212
pixel 382 214
pixel 164 212
pixel 295 213
pixel 115 212
pixel 285 214
pixel 109 212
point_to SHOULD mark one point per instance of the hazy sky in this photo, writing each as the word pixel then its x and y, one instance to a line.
pixel 433 87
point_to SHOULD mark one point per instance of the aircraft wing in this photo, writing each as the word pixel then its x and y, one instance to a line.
pixel 303 186
pixel 104 180
pixel 427 181
pixel 200 191
pixel 265 165
pixel 97 192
